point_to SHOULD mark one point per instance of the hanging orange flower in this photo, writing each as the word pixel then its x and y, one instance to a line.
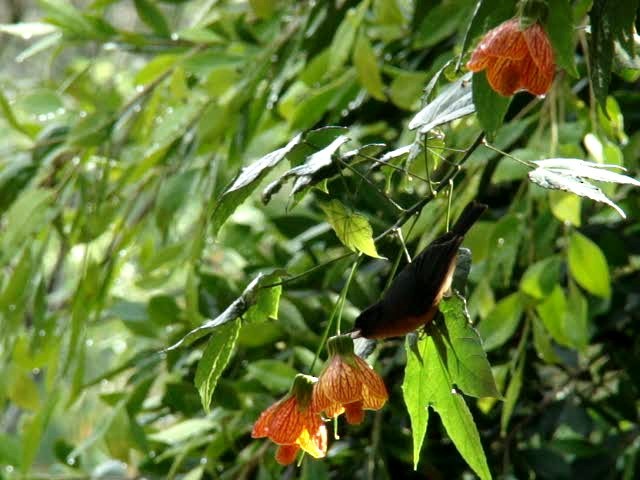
pixel 292 425
pixel 515 58
pixel 347 384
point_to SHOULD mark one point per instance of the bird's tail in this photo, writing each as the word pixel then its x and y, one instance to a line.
pixel 468 217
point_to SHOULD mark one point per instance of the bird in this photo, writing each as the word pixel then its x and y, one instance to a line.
pixel 412 298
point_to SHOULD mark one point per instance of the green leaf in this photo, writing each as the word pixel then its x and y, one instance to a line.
pixel 491 107
pixel 275 375
pixel 428 383
pixel 487 14
pixel 441 21
pixel 588 265
pixel 577 320
pixel 252 295
pixel 566 207
pixel 33 204
pixel 11 119
pixel 179 432
pixel 502 322
pixel 461 349
pixel 214 360
pixel 560 28
pixel 366 64
pixel 318 166
pixel 513 392
pixel 247 181
pixel 455 101
pixel 610 21
pixel 173 194
pixel 553 312
pixel 151 15
pixel 353 230
pixel 540 278
pixel 568 182
pixel 543 344
pixel 504 244
pixel 345 36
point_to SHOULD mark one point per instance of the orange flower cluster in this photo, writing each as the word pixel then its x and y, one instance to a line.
pixel 515 58
pixel 347 385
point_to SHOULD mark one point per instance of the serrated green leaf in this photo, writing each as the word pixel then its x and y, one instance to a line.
pixel 317 166
pixel 366 64
pixel 491 107
pixel 588 265
pixel 427 383
pixel 247 181
pixel 353 230
pixel 214 360
pixel 253 295
pixel 453 102
pixel 461 347
pixel 502 322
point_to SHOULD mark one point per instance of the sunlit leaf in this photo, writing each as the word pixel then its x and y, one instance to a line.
pixel 353 230
pixel 453 102
pixel 588 265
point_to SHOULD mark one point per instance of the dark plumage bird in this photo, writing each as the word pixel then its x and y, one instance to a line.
pixel 413 297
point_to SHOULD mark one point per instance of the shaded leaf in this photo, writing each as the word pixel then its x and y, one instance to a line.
pixel 490 106
pixel 502 322
pixel 560 28
pixel 275 375
pixel 540 278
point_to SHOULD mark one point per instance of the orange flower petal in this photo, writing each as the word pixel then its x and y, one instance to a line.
pixel 504 41
pixel 314 442
pixel 338 382
pixel 374 392
pixel 354 413
pixel 504 76
pixel 286 454
pixel 540 49
pixel 282 422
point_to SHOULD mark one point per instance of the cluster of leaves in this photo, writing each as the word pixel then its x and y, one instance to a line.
pixel 154 297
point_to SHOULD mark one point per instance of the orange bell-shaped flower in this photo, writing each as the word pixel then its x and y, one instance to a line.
pixel 292 424
pixel 347 384
pixel 515 58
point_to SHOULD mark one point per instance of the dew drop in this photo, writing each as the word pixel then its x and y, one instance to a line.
pixel 175 37
pixel 35 371
pixel 501 242
pixel 71 461
pixel 139 88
